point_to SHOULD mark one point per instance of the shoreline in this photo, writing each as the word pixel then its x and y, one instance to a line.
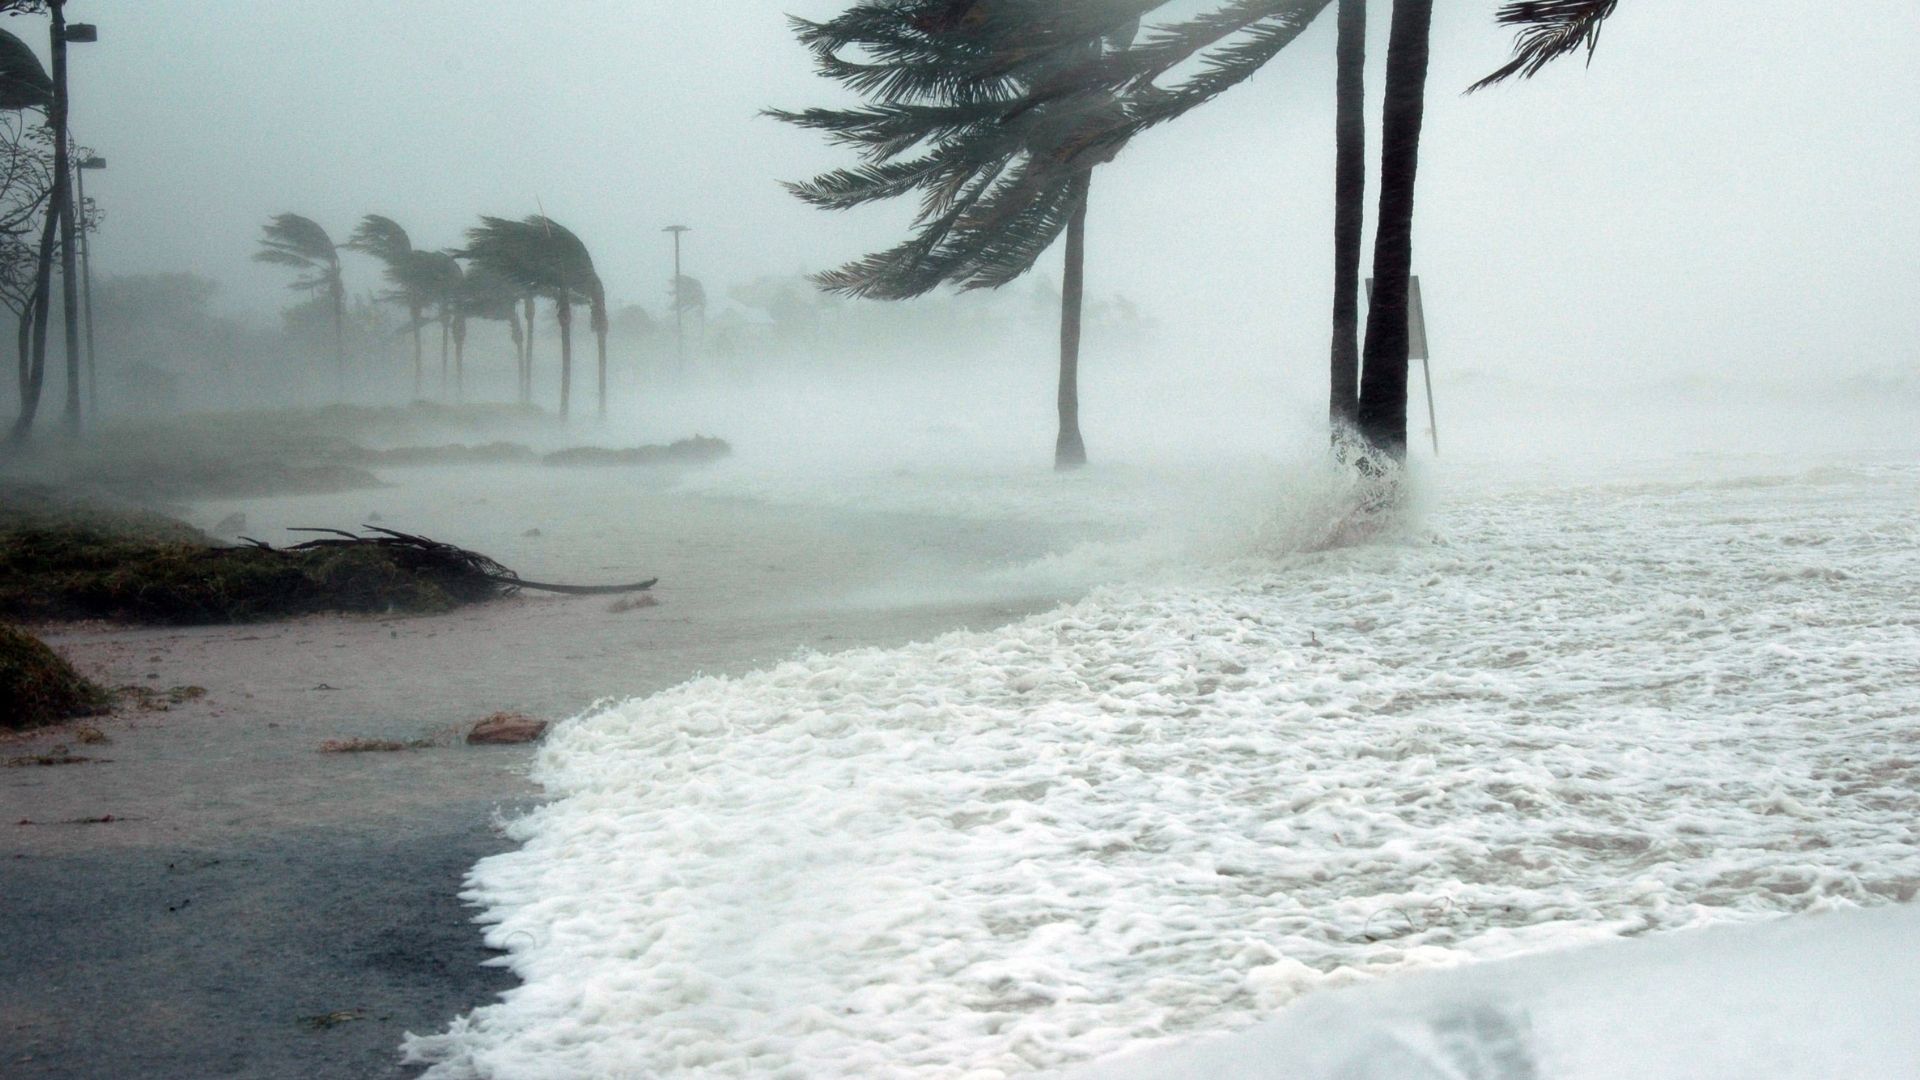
pixel 249 887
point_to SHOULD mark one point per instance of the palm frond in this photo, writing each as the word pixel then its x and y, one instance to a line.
pixel 1550 29
pixel 24 84
pixel 382 238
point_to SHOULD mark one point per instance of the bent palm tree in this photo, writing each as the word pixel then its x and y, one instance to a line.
pixel 384 239
pixel 298 242
pixel 1001 104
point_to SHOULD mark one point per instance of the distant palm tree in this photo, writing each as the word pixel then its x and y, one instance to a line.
pixel 385 240
pixel 299 242
pixel 542 257
pixel 485 294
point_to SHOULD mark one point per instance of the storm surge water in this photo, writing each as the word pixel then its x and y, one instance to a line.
pixel 1259 763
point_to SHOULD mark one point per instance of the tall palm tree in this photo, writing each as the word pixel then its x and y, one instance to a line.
pixel 1349 214
pixel 998 102
pixel 542 257
pixel 299 242
pixel 384 239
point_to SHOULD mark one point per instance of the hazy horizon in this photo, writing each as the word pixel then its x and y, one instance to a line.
pixel 1711 195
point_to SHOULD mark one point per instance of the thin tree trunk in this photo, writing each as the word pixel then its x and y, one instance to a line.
pixel 25 333
pixel 62 208
pixel 339 293
pixel 526 370
pixel 563 311
pixel 600 346
pixel 1069 451
pixel 416 313
pixel 1349 216
pixel 519 351
pixel 35 378
pixel 1383 385
pixel 445 335
pixel 460 358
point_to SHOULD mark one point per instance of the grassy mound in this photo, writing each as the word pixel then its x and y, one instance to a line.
pixel 64 559
pixel 37 687
pixel 78 572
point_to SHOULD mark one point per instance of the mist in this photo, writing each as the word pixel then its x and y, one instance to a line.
pixel 774 690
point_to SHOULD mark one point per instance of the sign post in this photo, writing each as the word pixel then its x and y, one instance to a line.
pixel 1417 350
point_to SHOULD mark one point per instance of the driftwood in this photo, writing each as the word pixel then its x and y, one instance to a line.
pixel 449 557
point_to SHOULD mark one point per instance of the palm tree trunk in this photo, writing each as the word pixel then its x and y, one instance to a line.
pixel 1349 215
pixel 600 347
pixel 339 293
pixel 519 352
pixel 445 335
pixel 563 311
pixel 460 358
pixel 1383 385
pixel 417 312
pixel 526 368
pixel 1069 451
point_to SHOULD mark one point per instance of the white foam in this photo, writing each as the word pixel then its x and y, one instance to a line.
pixel 1547 716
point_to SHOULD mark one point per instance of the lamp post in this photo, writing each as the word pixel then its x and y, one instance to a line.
pixel 91 161
pixel 62 203
pixel 679 308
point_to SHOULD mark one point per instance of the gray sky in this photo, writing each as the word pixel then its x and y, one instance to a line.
pixel 1731 184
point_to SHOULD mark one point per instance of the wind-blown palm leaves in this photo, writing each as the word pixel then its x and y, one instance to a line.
pixel 384 239
pixel 542 257
pixel 1549 30
pixel 24 84
pixel 300 243
pixel 997 99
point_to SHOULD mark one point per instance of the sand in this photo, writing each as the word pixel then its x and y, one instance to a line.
pixel 258 908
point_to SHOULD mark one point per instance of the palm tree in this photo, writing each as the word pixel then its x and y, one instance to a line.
pixel 299 242
pixel 541 257
pixel 999 104
pixel 384 239
pixel 485 294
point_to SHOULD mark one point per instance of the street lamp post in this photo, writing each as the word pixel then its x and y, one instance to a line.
pixel 91 161
pixel 679 305
pixel 61 205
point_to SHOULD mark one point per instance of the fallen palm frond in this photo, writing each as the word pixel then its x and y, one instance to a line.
pixel 68 569
pixel 422 554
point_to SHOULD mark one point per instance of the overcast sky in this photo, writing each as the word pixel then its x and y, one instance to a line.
pixel 1732 184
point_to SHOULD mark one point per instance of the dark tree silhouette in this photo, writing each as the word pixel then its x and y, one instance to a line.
pixel 997 100
pixel 1383 379
pixel 384 239
pixel 540 257
pixel 1549 30
pixel 1349 215
pixel 300 243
